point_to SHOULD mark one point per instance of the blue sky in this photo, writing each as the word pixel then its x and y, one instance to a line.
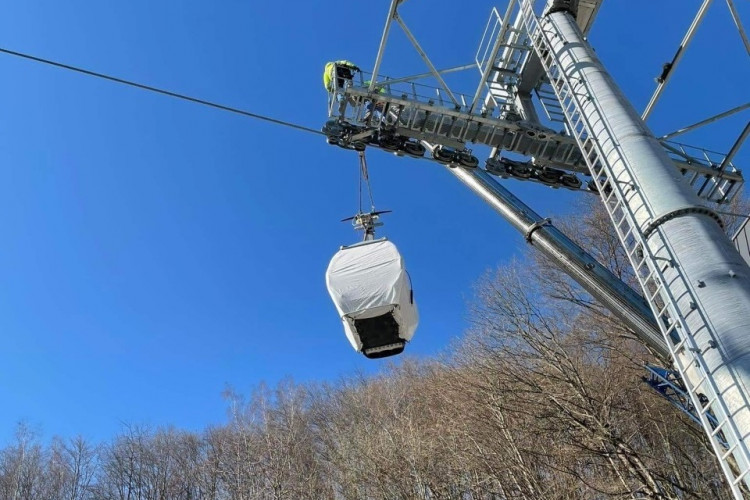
pixel 155 251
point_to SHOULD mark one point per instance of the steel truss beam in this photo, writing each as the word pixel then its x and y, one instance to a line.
pixel 670 66
pixel 735 148
pixel 705 122
pixel 738 23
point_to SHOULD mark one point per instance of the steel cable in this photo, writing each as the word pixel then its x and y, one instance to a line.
pixel 160 91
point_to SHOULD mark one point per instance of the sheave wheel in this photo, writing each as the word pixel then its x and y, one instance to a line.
pixel 442 156
pixel 332 128
pixel 549 177
pixel 571 181
pixel 468 160
pixel 414 149
pixel 520 172
pixel 390 143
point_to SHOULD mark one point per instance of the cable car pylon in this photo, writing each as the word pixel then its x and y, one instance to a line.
pixel 695 284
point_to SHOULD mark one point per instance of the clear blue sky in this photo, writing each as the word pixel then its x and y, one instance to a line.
pixel 154 251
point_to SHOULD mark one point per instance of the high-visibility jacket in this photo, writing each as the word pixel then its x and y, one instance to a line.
pixel 328 75
pixel 378 89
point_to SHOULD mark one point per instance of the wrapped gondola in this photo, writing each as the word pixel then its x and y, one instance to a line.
pixel 373 295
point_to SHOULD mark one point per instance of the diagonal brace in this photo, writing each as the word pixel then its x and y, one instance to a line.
pixel 426 59
pixel 670 66
pixel 738 23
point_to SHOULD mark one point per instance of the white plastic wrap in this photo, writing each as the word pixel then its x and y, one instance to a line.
pixel 369 279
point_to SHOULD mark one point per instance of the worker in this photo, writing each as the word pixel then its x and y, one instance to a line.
pixel 376 107
pixel 344 70
pixel 338 75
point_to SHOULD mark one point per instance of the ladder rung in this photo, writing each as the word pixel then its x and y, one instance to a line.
pixel 729 451
pixel 707 406
pixel 740 476
pixel 679 345
pixel 718 427
pixel 663 310
pixel 652 297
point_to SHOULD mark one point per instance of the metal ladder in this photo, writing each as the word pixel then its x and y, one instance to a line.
pixel 501 52
pixel 551 106
pixel 668 384
pixel 714 415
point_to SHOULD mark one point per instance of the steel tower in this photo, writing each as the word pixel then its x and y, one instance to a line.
pixel 695 285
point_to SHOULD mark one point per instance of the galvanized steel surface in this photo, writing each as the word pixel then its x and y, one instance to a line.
pixel 596 279
pixel 703 279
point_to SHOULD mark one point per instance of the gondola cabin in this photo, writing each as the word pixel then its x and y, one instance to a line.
pixel 373 295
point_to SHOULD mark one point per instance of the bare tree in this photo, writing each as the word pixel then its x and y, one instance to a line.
pixel 566 395
pixel 21 467
pixel 70 468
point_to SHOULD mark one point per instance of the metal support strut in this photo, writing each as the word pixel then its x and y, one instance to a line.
pixel 595 278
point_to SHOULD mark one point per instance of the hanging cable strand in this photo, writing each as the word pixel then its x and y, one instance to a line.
pixel 359 184
pixel 160 91
pixel 364 174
